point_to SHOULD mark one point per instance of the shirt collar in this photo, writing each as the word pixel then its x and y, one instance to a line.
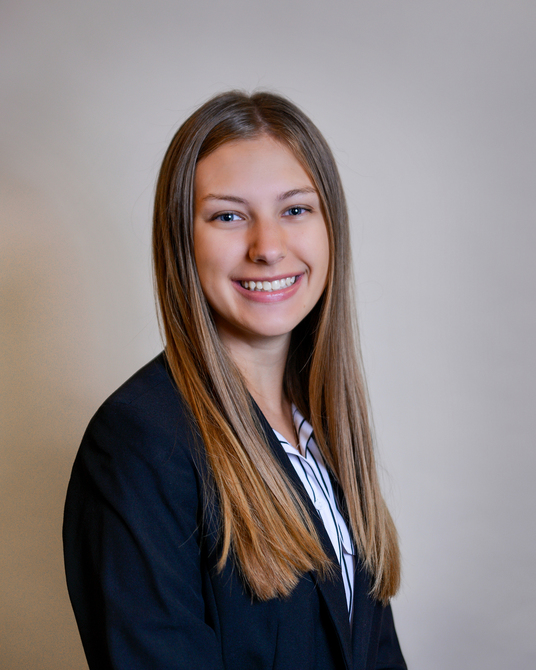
pixel 303 431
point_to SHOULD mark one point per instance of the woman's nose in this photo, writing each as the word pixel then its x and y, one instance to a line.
pixel 267 242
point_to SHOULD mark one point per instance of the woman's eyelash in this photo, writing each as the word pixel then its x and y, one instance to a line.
pixel 229 217
pixel 226 217
pixel 296 210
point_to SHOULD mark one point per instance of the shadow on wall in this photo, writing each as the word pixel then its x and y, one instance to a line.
pixel 44 366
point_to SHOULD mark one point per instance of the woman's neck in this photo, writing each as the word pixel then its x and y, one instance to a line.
pixel 262 364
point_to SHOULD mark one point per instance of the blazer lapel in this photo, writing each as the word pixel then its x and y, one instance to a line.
pixel 363 603
pixel 331 590
pixel 363 617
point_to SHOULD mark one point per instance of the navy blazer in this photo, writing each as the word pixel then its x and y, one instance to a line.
pixel 141 556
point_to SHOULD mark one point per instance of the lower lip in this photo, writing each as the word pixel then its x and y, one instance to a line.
pixel 269 296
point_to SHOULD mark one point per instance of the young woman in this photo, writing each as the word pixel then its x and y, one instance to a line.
pixel 224 509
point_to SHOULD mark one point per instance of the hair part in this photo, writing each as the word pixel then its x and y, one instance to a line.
pixel 264 522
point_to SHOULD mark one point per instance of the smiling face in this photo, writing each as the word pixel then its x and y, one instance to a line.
pixel 260 239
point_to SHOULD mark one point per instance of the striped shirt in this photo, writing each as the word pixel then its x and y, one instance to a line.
pixel 312 471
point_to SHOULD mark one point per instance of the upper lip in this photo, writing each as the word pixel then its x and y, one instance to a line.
pixel 269 279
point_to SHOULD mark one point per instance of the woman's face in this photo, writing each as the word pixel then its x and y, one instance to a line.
pixel 260 240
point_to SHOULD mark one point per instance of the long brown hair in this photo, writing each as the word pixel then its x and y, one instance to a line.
pixel 264 523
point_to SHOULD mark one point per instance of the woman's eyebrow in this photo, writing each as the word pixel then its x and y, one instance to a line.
pixel 297 191
pixel 230 198
pixel 243 201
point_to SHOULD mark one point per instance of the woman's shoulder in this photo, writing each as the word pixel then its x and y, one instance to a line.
pixel 145 418
pixel 151 382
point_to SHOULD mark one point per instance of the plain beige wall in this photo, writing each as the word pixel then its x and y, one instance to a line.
pixel 430 107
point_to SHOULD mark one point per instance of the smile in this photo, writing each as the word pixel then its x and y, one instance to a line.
pixel 275 285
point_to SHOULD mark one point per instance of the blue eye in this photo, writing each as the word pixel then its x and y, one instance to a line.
pixel 295 211
pixel 227 217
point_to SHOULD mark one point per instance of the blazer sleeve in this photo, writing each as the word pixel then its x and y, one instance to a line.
pixel 389 653
pixel 132 543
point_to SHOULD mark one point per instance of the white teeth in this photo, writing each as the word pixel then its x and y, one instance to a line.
pixel 268 286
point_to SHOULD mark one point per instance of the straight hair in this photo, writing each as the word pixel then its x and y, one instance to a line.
pixel 265 526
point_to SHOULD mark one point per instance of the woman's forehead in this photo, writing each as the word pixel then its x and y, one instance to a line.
pixel 251 163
